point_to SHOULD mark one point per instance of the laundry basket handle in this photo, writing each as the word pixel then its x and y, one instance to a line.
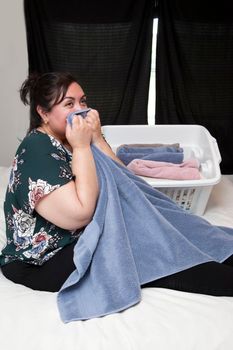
pixel 216 149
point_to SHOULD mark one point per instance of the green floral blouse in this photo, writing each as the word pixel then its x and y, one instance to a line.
pixel 41 165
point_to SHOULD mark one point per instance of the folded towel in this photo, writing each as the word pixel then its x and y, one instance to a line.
pixel 137 235
pixel 163 154
pixel 146 145
pixel 188 170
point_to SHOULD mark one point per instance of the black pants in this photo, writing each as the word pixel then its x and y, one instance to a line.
pixel 210 278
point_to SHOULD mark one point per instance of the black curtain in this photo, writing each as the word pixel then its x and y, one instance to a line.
pixel 105 44
pixel 195 68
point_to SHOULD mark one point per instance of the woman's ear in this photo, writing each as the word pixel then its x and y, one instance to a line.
pixel 42 113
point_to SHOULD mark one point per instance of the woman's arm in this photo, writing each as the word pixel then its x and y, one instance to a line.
pixel 97 137
pixel 72 205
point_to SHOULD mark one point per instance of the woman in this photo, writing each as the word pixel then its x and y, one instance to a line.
pixel 53 191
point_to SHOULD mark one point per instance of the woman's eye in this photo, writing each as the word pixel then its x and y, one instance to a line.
pixel 83 102
pixel 70 104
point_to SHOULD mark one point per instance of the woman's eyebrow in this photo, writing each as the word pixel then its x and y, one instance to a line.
pixel 66 97
pixel 72 98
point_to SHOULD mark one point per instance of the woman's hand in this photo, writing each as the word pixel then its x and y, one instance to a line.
pixel 93 121
pixel 98 140
pixel 79 135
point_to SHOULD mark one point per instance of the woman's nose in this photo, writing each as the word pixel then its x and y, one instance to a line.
pixel 77 107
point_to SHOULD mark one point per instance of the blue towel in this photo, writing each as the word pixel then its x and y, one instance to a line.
pixel 161 153
pixel 82 112
pixel 137 235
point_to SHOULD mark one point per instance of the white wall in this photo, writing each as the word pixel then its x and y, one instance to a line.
pixel 13 69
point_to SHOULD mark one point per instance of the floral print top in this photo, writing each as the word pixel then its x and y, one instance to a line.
pixel 40 166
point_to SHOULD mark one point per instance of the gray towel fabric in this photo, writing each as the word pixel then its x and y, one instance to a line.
pixel 161 153
pixel 146 145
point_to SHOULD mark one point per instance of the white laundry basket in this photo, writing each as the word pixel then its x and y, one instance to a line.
pixel 197 142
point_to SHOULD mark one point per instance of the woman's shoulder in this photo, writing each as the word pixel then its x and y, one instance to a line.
pixel 37 145
pixel 35 142
pixel 35 137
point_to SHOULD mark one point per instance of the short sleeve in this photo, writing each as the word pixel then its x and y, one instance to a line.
pixel 41 165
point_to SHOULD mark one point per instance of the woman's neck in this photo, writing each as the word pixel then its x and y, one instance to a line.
pixel 47 131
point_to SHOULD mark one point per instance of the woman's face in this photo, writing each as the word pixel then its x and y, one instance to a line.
pixel 56 118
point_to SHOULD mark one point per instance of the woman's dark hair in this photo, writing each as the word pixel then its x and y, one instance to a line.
pixel 44 90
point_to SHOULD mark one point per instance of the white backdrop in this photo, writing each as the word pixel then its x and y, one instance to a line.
pixel 13 69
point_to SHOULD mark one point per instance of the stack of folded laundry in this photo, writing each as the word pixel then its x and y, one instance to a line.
pixel 163 161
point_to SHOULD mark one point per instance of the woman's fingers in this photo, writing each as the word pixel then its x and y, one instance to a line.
pixel 80 133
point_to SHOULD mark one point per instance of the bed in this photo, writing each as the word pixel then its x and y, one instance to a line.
pixel 163 320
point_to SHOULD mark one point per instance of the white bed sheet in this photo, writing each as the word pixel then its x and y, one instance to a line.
pixel 163 320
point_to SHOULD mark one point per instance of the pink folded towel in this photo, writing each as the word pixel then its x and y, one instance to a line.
pixel 188 170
